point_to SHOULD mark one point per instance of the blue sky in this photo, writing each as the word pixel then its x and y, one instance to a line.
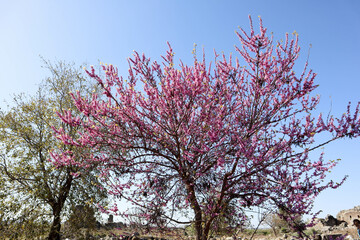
pixel 108 31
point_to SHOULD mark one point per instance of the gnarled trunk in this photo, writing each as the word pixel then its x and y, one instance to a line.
pixel 54 233
pixel 57 206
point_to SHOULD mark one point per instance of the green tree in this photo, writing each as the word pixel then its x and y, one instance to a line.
pixel 82 217
pixel 230 220
pixel 281 221
pixel 34 195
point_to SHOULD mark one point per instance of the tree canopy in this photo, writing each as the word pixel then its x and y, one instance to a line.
pixel 34 192
pixel 201 137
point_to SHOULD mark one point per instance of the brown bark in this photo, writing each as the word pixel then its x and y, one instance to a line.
pixel 197 210
pixel 57 206
pixel 54 233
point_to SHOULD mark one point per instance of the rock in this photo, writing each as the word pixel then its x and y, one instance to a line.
pixel 329 221
pixel 343 224
pixel 318 237
pixel 331 236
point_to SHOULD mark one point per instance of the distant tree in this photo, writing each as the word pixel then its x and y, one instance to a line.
pixel 81 217
pixel 276 221
pixel 34 195
pixel 230 221
pixel 199 137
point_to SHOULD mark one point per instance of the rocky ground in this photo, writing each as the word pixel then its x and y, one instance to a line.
pixel 323 229
pixel 351 235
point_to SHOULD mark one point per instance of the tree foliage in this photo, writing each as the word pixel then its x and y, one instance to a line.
pixel 35 194
pixel 200 137
pixel 81 217
pixel 278 223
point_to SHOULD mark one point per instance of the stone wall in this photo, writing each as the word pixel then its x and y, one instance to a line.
pixel 349 215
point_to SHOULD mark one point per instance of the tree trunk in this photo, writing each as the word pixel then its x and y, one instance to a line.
pixel 198 224
pixel 54 233
pixel 206 229
pixel 57 207
pixel 197 211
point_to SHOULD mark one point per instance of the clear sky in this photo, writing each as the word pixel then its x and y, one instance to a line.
pixel 91 31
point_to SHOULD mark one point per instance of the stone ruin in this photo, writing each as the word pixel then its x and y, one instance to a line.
pixel 111 224
pixel 343 223
pixel 349 215
pixel 330 221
